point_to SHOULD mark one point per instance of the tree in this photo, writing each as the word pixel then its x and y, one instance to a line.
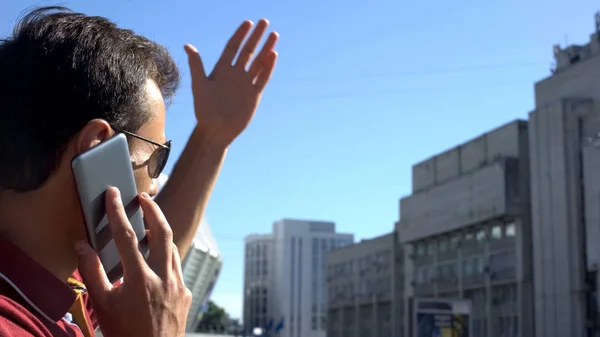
pixel 215 319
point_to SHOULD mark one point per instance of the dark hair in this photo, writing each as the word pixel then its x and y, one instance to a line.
pixel 58 71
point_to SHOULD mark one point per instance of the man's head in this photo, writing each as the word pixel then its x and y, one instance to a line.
pixel 68 80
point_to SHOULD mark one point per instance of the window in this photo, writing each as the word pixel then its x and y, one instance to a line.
pixel 443 245
pixel 431 248
pixel 481 236
pixel 454 241
pixel 420 249
pixel 467 268
pixel 441 272
pixel 497 232
pixel 510 230
pixel 469 236
pixel 479 265
pixel 418 276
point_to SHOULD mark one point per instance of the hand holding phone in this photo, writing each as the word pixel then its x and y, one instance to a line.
pixel 153 300
pixel 94 171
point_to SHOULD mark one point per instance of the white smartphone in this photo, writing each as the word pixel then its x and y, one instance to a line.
pixel 105 165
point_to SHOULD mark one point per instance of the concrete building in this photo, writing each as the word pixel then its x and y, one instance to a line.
pixel 466 231
pixel 258 280
pixel 565 192
pixel 296 301
pixel 360 285
pixel 201 267
pixel 511 219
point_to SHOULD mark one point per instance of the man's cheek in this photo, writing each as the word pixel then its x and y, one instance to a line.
pixel 142 181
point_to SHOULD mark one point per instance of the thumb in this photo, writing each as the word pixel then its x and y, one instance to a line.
pixel 91 271
pixel 196 66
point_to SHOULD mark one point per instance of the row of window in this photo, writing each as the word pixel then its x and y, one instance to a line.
pixel 257 268
pixel 369 287
pixel 496 263
pixel 504 296
pixel 481 235
pixel 315 321
pixel 257 250
pixel 378 261
pixel 256 291
pixel 327 244
pixel 257 306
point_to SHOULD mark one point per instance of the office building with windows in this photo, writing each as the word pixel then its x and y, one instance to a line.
pixel 360 280
pixel 296 301
pixel 466 231
pixel 564 134
pixel 258 281
pixel 511 219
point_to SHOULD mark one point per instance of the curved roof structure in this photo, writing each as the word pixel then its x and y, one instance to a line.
pixel 201 268
pixel 204 238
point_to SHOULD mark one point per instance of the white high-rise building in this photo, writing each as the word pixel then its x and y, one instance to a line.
pixel 285 275
pixel 258 280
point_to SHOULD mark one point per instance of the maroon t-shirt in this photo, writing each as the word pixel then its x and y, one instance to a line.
pixel 33 302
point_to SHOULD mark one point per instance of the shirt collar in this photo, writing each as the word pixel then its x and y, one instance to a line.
pixel 45 293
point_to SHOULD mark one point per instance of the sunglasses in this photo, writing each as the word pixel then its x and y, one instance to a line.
pixel 158 159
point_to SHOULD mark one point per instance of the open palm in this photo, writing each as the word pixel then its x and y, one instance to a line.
pixel 225 101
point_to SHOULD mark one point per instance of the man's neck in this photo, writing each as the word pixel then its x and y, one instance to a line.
pixel 37 223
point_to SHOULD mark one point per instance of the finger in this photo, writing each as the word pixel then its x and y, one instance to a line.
pixel 250 46
pixel 123 234
pixel 266 71
pixel 259 61
pixel 91 271
pixel 160 259
pixel 196 66
pixel 177 264
pixel 233 45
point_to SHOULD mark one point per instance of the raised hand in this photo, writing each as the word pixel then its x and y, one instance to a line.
pixel 225 101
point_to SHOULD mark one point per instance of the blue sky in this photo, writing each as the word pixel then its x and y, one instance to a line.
pixel 363 90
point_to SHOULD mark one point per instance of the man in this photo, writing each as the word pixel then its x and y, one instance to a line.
pixel 67 82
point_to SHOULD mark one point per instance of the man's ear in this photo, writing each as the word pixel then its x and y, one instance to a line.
pixel 92 134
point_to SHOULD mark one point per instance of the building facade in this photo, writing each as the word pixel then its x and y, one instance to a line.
pixel 466 231
pixel 296 301
pixel 258 281
pixel 511 219
pixel 360 281
pixel 565 192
